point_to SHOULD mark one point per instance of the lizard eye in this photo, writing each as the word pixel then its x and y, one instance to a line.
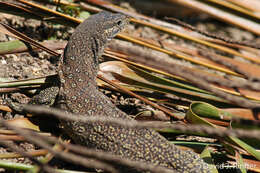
pixel 119 22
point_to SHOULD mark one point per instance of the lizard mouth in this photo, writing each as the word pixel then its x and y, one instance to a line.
pixel 113 32
pixel 116 31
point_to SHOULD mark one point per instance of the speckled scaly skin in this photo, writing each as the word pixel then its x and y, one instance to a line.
pixel 79 94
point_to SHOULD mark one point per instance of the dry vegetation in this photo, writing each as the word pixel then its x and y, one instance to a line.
pixel 199 82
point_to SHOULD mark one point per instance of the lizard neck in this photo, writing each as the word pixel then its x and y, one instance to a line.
pixel 79 65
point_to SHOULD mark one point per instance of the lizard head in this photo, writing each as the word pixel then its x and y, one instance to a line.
pixel 104 25
pixel 113 24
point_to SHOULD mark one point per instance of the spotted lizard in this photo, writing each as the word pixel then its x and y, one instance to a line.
pixel 78 93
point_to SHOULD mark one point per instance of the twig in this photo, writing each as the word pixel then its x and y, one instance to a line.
pixel 40 110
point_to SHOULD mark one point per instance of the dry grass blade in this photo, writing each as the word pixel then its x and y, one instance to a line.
pixel 35 153
pixel 12 32
pixel 235 7
pixel 26 82
pixel 18 10
pixel 249 25
pixel 205 33
pixel 250 71
pixel 43 111
pixel 86 7
pixel 252 5
pixel 11 137
pixel 139 97
pixel 50 11
pixel 17 46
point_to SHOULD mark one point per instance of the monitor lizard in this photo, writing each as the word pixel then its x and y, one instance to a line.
pixel 77 92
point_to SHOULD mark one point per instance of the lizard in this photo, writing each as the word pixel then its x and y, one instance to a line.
pixel 77 92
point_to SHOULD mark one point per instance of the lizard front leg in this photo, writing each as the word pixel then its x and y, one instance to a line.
pixel 46 96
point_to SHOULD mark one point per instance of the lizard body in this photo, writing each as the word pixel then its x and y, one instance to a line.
pixel 79 94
